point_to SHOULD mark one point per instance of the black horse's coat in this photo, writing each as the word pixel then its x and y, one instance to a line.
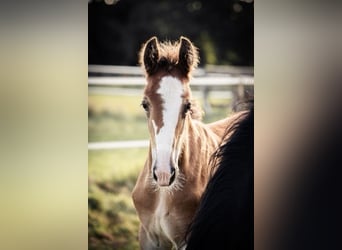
pixel 224 219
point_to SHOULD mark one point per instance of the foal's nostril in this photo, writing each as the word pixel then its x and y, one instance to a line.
pixel 164 178
pixel 173 175
pixel 172 171
pixel 154 174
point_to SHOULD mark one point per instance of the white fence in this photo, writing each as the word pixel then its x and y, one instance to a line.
pixel 118 144
pixel 235 79
pixel 213 81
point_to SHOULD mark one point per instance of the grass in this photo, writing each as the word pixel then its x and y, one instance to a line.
pixel 116 165
pixel 116 118
pixel 112 220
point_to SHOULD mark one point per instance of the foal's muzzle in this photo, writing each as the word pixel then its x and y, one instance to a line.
pixel 164 178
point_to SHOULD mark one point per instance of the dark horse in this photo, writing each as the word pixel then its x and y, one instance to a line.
pixel 224 219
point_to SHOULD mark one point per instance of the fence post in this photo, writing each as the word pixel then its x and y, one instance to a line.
pixel 206 103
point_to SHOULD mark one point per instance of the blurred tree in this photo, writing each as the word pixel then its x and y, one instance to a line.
pixel 223 30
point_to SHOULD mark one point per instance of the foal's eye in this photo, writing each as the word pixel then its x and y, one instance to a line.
pixel 144 105
pixel 187 107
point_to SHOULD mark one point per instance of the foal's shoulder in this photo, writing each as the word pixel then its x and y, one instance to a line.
pixel 219 127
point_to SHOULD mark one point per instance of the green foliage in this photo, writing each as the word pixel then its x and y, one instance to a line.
pixel 208 48
pixel 117 32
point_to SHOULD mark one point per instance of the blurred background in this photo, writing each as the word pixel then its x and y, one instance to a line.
pixel 44 127
pixel 223 30
pixel 117 129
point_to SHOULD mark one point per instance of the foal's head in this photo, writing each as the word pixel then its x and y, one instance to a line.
pixel 167 102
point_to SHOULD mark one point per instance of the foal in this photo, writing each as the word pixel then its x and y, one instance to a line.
pixel 169 187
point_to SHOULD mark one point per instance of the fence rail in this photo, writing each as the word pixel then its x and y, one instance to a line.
pixel 213 81
pixel 137 71
pixel 207 79
pixel 118 145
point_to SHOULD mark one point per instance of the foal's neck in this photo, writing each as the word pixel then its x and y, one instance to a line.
pixel 199 143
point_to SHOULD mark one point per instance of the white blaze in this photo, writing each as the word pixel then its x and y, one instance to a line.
pixel 170 90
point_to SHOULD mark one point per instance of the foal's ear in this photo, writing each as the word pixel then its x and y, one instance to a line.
pixel 188 55
pixel 149 55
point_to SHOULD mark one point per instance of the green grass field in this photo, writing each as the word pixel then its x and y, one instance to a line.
pixel 112 220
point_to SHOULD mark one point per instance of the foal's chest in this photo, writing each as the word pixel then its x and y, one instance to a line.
pixel 161 223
